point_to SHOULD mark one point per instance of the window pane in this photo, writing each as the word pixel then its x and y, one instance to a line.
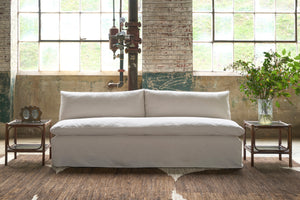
pixel 107 6
pixel 243 27
pixel 49 56
pixel 259 49
pixel 90 26
pixel 49 26
pixel 50 6
pixel 243 5
pixel 223 5
pixel 69 56
pixel 222 53
pixel 140 6
pixel 202 56
pixel 90 5
pixel 285 5
pixel 28 27
pixel 107 61
pixel 244 51
pixel 106 24
pixel 224 27
pixel 285 27
pixel 90 56
pixel 140 59
pixel 289 47
pixel 125 6
pixel 29 56
pixel 202 5
pixel 141 28
pixel 298 28
pixel 202 27
pixel 264 5
pixel 28 6
pixel 264 27
pixel 69 5
pixel 69 26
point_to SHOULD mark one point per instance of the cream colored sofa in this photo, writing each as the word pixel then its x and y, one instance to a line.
pixel 146 128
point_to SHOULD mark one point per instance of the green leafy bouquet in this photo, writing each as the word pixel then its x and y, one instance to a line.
pixel 278 73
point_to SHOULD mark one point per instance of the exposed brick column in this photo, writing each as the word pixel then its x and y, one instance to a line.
pixel 8 67
pixel 167 44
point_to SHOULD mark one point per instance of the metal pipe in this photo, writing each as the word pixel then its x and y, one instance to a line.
pixel 120 28
pixel 132 41
pixel 133 50
pixel 114 19
pixel 121 70
pixel 133 10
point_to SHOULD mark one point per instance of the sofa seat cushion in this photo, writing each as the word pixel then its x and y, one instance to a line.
pixel 158 126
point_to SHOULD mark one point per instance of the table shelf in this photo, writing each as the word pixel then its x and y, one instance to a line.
pixel 268 149
pixel 27 148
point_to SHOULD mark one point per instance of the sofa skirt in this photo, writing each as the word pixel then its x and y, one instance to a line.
pixel 147 151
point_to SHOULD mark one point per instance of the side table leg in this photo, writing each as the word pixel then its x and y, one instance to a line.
pixel 244 142
pixel 43 144
pixel 252 145
pixel 15 140
pixel 279 143
pixel 6 142
pixel 50 148
pixel 290 146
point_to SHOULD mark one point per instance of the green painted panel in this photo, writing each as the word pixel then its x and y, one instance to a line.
pixel 4 108
pixel 168 81
pixel 5 98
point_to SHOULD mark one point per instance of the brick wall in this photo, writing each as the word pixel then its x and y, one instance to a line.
pixel 8 59
pixel 5 35
pixel 167 44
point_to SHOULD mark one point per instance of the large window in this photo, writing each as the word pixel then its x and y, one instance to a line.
pixel 228 30
pixel 68 35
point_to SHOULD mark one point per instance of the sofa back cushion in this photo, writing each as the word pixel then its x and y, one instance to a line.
pixel 187 104
pixel 101 104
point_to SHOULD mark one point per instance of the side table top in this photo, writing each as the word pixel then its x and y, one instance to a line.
pixel 18 122
pixel 273 125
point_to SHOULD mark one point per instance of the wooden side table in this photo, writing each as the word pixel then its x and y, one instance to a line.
pixel 253 126
pixel 35 148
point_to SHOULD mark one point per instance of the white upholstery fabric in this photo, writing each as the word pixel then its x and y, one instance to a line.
pixel 182 129
pixel 101 104
pixel 187 104
pixel 147 151
pixel 183 126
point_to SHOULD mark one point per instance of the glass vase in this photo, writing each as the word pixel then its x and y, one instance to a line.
pixel 265 111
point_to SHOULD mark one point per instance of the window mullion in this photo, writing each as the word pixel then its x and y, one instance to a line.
pixel 101 44
pixel 213 20
pixel 40 23
pixel 79 57
pixel 59 36
pixel 296 21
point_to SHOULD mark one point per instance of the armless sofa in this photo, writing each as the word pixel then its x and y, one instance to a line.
pixel 146 128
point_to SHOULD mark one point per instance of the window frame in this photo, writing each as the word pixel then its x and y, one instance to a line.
pixel 213 41
pixel 102 69
pixel 68 12
pixel 254 13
